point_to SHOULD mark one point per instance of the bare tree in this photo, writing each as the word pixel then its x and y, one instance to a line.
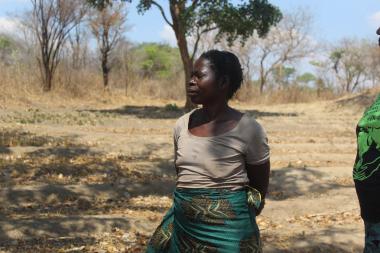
pixel 78 46
pixel 348 62
pixel 372 62
pixel 52 21
pixel 122 58
pixel 107 26
pixel 285 44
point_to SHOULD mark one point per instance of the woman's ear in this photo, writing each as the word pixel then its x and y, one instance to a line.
pixel 224 82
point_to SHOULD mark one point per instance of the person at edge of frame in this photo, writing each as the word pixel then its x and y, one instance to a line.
pixel 366 173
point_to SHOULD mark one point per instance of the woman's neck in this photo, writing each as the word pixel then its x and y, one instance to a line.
pixel 215 111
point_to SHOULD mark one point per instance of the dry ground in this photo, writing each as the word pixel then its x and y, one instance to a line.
pixel 98 177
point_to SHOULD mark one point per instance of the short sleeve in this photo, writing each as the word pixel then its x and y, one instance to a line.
pixel 257 151
pixel 176 133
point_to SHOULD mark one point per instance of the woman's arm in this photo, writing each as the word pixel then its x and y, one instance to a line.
pixel 258 176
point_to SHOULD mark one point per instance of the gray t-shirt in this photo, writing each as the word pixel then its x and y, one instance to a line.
pixel 218 161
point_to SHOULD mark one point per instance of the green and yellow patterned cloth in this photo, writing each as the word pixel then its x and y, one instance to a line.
pixel 208 220
pixel 368 140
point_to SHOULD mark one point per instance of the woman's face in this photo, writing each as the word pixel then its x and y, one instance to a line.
pixel 203 86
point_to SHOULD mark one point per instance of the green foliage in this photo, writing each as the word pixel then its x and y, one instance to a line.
pixel 102 4
pixel 289 71
pixel 336 55
pixel 317 64
pixel 232 21
pixel 306 77
pixel 8 48
pixel 5 43
pixel 156 60
pixel 172 107
pixel 283 74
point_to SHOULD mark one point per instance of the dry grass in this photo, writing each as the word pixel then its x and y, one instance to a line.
pixel 20 85
pixel 292 94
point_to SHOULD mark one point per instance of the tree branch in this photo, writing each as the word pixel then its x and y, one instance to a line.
pixel 195 49
pixel 162 13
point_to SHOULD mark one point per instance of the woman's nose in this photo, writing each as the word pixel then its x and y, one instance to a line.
pixel 192 81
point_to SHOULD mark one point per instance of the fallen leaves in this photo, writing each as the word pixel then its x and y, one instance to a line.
pixel 327 219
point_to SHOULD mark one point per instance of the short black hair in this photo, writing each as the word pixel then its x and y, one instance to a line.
pixel 225 63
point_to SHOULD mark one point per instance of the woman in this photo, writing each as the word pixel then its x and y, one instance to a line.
pixel 367 174
pixel 222 163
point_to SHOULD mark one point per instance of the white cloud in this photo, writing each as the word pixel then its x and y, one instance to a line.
pixel 374 19
pixel 167 34
pixel 8 25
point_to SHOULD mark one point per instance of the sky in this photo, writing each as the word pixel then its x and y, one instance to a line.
pixel 333 19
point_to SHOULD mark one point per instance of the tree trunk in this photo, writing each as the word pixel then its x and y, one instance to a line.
pixel 261 86
pixel 187 66
pixel 47 79
pixel 262 76
pixel 262 83
pixel 126 78
pixel 105 70
pixel 179 30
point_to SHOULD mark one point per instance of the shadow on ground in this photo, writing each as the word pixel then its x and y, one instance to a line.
pixel 74 226
pixel 16 137
pixel 5 150
pixel 293 182
pixel 168 112
pixel 146 112
pixel 328 240
pixel 261 114
pixel 50 172
pixel 59 188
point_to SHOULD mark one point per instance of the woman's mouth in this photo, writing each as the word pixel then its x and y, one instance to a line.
pixel 192 93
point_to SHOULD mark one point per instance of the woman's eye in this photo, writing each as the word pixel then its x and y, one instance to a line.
pixel 198 75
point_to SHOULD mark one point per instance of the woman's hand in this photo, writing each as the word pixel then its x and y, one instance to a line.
pixel 258 176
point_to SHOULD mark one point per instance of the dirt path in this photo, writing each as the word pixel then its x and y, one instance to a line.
pixel 99 180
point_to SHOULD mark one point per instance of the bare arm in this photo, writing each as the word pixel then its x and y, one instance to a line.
pixel 258 176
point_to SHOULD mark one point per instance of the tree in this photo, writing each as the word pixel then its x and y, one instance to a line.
pixel 349 66
pixel 154 60
pixel 107 26
pixel 306 78
pixel 78 45
pixel 372 62
pixel 283 74
pixel 7 48
pixel 52 21
pixel 122 60
pixel 199 17
pixel 285 44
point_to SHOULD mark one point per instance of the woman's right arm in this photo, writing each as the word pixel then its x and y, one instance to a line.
pixel 258 176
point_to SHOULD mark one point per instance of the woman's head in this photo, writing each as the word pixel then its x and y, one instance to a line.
pixel 226 67
pixel 216 75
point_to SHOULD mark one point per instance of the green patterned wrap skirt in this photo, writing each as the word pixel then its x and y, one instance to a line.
pixel 207 220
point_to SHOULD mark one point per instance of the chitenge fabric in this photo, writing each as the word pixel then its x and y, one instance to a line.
pixel 207 220
pixel 366 171
pixel 372 237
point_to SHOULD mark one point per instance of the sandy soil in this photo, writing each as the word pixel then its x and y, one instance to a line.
pixel 99 177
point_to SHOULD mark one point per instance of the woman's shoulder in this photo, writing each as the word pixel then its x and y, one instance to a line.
pixel 249 125
pixel 250 121
pixel 183 121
